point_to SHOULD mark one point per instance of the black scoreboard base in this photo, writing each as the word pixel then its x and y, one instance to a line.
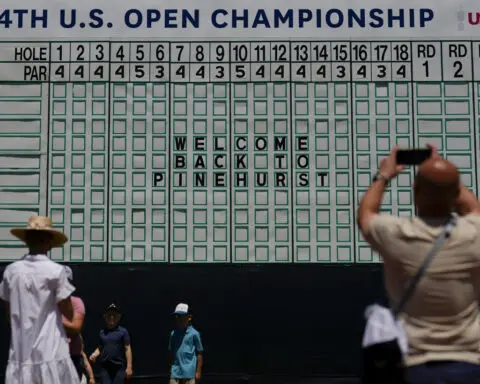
pixel 279 321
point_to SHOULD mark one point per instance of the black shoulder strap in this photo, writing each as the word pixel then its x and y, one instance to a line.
pixel 439 241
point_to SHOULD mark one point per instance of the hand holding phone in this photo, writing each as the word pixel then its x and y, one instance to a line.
pixel 413 156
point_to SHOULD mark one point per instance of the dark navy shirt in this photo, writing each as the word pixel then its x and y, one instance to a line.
pixel 112 343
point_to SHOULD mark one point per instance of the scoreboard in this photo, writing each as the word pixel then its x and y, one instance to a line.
pixel 237 144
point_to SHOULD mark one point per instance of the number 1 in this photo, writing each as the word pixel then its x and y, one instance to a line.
pixel 427 72
pixel 60 52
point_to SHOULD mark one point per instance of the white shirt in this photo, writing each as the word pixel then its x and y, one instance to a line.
pixel 39 352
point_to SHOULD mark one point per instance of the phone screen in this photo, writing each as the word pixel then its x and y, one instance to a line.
pixel 413 156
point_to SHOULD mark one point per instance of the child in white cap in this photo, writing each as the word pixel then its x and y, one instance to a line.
pixel 186 349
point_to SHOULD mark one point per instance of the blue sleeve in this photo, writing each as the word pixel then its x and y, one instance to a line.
pixel 170 343
pixel 100 339
pixel 126 337
pixel 198 343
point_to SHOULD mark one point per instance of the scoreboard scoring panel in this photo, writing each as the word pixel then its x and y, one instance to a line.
pixel 302 61
pixel 222 151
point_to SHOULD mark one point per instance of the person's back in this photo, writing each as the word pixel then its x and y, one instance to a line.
pixel 441 318
pixel 37 331
pixel 36 292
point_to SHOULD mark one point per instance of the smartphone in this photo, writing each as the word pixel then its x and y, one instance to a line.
pixel 413 156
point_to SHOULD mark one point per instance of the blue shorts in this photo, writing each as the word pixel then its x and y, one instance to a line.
pixel 112 374
pixel 444 372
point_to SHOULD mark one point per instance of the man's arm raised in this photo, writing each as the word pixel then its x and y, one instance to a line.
pixel 467 202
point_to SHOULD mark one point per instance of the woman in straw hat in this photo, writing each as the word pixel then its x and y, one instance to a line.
pixel 37 292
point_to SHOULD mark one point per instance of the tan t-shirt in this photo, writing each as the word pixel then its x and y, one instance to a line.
pixel 442 318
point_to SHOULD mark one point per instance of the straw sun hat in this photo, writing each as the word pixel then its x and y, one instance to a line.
pixel 44 224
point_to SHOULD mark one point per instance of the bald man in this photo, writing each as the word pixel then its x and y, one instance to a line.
pixel 441 319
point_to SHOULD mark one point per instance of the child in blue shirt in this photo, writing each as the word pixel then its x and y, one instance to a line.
pixel 186 349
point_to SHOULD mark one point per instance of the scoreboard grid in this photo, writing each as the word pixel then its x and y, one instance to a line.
pixel 143 152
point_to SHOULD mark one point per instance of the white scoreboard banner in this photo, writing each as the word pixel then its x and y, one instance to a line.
pixel 214 131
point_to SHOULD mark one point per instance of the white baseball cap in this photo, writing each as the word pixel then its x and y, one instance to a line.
pixel 181 309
